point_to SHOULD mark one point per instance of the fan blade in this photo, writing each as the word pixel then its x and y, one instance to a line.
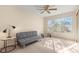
pixel 42 12
pixel 53 9
pixel 48 12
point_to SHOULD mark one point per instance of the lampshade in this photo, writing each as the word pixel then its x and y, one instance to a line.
pixel 5 30
pixel 13 27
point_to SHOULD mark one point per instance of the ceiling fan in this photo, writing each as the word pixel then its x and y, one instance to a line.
pixel 46 8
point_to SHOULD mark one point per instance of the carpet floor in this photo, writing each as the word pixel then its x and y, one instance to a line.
pixel 50 45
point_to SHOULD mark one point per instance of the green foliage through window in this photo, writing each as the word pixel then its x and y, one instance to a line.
pixel 60 25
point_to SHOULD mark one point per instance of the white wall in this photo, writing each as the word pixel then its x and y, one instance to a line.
pixel 77 27
pixel 23 19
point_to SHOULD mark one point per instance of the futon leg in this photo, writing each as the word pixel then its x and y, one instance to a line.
pixel 23 46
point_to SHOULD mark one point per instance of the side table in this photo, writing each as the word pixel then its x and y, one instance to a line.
pixel 6 46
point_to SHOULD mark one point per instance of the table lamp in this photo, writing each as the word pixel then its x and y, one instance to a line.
pixel 9 31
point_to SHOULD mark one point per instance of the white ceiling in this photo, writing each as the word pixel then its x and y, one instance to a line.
pixel 60 9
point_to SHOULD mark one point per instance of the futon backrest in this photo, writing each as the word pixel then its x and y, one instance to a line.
pixel 22 35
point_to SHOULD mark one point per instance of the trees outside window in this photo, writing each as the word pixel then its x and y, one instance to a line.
pixel 60 25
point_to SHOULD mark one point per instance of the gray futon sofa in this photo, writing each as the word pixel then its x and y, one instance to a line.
pixel 24 38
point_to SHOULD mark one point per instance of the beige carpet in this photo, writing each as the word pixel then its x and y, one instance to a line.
pixel 50 45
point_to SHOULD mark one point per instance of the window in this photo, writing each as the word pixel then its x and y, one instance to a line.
pixel 60 25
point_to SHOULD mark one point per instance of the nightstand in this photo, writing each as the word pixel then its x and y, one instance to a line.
pixel 8 48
